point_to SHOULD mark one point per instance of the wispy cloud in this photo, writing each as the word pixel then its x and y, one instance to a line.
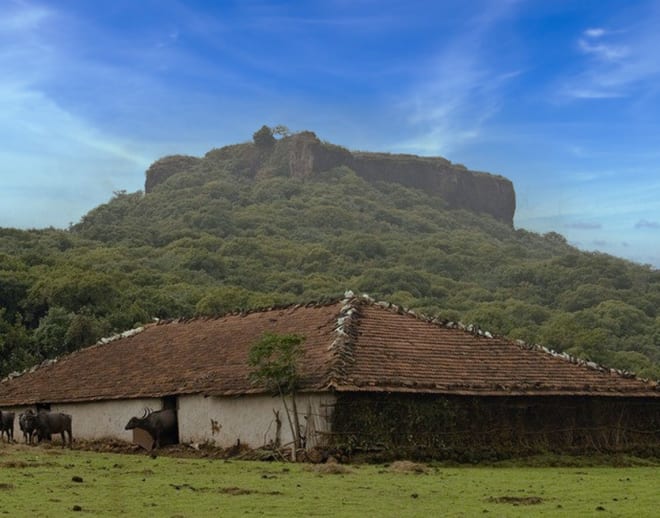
pixel 65 153
pixel 643 223
pixel 583 225
pixel 20 18
pixel 459 90
pixel 596 32
pixel 616 63
pixel 592 43
pixel 66 156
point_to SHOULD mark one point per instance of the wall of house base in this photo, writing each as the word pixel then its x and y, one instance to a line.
pixel 251 419
pixel 218 421
pixel 104 419
pixel 18 436
pixel 468 428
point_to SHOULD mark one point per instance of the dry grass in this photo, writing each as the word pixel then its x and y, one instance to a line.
pixel 406 466
pixel 331 468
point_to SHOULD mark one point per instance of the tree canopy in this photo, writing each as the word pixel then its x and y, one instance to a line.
pixel 275 361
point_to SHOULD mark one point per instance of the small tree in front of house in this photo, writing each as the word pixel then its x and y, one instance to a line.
pixel 275 361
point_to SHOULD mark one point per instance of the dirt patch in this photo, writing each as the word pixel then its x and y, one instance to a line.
pixel 20 464
pixel 516 500
pixel 108 446
pixel 236 491
pixel 193 451
pixel 185 486
pixel 16 464
pixel 197 451
pixel 6 486
pixel 331 468
pixel 406 466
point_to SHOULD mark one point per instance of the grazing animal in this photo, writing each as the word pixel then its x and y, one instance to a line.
pixel 7 425
pixel 161 425
pixel 26 425
pixel 47 423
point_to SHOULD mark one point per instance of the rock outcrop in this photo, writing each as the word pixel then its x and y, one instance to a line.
pixel 458 186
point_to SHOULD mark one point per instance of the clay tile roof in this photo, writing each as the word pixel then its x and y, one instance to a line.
pixel 351 345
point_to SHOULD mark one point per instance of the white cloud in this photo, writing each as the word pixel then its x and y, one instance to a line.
pixel 459 91
pixel 586 92
pixel 54 163
pixel 595 32
pixel 620 62
pixel 603 51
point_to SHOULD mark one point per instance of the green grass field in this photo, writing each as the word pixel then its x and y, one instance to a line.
pixel 48 481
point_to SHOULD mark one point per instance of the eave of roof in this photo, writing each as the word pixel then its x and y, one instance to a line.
pixel 493 391
pixel 353 345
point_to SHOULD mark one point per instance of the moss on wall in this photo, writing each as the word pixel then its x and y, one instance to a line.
pixel 388 426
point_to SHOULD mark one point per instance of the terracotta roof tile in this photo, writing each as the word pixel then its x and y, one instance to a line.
pixel 350 345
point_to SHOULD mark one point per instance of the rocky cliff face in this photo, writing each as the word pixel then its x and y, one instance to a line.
pixel 303 155
pixel 458 186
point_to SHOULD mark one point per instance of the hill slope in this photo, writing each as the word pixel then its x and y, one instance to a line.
pixel 254 224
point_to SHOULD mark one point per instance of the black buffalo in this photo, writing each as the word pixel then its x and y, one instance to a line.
pixel 161 425
pixel 7 425
pixel 47 423
pixel 27 426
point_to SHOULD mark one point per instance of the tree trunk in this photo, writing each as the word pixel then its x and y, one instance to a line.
pixel 293 431
pixel 296 423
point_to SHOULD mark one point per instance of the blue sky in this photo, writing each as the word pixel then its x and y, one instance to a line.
pixel 561 97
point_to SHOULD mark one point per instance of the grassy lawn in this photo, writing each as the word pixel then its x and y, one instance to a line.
pixel 45 481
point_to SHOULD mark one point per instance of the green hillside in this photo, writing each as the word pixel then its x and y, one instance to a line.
pixel 236 229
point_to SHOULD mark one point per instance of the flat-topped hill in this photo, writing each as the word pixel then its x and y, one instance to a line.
pixel 303 155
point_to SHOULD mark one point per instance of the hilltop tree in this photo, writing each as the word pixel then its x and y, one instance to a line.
pixel 281 130
pixel 263 137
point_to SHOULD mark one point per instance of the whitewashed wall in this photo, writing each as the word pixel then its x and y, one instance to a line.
pixel 104 419
pixel 18 436
pixel 223 421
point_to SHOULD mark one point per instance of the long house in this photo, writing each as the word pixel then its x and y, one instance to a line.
pixel 374 377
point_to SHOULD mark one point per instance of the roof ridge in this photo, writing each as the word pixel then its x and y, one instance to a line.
pixel 342 347
pixel 325 301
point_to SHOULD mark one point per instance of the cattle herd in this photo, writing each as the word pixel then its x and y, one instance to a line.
pixel 42 424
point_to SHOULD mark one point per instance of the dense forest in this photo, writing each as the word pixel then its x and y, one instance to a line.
pixel 236 230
